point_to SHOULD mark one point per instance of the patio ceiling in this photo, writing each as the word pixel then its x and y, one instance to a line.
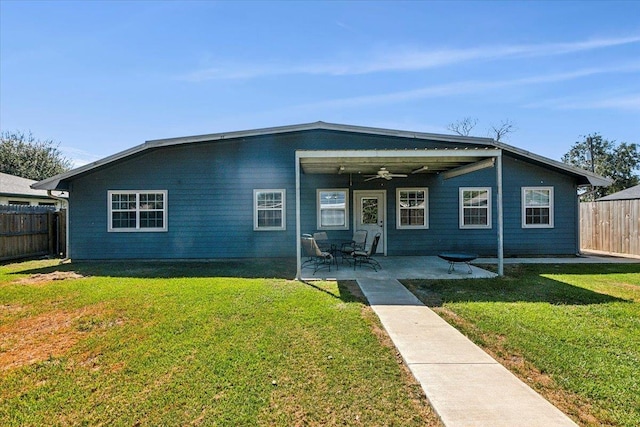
pixel 401 161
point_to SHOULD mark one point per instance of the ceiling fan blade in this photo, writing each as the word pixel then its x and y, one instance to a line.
pixel 372 178
pixel 398 175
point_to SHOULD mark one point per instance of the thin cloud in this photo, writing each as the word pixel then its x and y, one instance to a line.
pixel 467 88
pixel 630 102
pixel 404 60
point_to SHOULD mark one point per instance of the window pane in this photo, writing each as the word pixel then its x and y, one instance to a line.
pixel 537 216
pixel 269 209
pixel 151 219
pixel 332 217
pixel 151 201
pixel 123 220
pixel 537 197
pixel 333 208
pixel 271 200
pixel 369 210
pixel 475 198
pixel 475 216
pixel 123 201
pixel 411 217
pixel 269 218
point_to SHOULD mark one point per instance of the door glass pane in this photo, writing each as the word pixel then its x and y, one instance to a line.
pixel 369 210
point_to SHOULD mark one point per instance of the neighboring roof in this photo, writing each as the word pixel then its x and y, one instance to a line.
pixel 585 177
pixel 15 186
pixel 631 193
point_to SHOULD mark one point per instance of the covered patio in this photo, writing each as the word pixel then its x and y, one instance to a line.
pixel 447 163
pixel 415 267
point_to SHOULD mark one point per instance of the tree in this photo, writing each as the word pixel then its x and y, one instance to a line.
pixel 25 156
pixel 619 162
pixel 465 126
pixel 500 132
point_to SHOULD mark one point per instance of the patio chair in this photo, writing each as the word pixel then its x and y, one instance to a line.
pixel 319 258
pixel 322 240
pixel 366 256
pixel 358 242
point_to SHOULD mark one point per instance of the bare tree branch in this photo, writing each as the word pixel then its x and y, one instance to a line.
pixel 500 132
pixel 463 127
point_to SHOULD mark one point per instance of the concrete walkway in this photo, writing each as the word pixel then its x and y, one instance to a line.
pixel 465 386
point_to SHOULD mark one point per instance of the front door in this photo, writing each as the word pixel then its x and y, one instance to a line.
pixel 370 208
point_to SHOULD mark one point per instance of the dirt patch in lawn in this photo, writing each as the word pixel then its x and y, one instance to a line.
pixel 47 335
pixel 44 278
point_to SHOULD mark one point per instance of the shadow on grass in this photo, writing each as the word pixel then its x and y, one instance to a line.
pixel 278 268
pixel 521 283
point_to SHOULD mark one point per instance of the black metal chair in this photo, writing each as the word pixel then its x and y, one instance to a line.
pixel 358 242
pixel 319 258
pixel 366 257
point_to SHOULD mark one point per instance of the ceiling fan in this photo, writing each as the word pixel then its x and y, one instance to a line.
pixel 384 173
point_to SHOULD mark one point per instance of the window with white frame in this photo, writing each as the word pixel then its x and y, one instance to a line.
pixel 412 207
pixel 333 209
pixel 269 210
pixel 475 207
pixel 137 210
pixel 537 207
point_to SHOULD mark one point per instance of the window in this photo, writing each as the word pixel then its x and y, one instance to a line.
pixel 475 207
pixel 537 207
pixel 269 211
pixel 137 210
pixel 333 209
pixel 18 203
pixel 413 207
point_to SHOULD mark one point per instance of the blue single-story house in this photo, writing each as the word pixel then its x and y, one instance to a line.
pixel 253 193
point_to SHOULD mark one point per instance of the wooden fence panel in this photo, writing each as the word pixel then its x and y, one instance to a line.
pixel 26 234
pixel 610 227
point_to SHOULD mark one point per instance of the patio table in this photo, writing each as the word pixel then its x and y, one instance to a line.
pixel 453 257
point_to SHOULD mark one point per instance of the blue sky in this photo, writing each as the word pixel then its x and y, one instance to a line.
pixel 100 77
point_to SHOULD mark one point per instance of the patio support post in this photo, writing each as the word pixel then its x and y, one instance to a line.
pixel 298 230
pixel 500 215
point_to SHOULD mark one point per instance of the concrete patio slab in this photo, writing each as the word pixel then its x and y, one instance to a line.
pixel 465 386
pixel 414 267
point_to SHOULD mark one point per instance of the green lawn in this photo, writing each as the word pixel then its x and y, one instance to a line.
pixel 570 331
pixel 181 344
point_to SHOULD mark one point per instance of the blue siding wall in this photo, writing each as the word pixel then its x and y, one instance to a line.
pixel 210 201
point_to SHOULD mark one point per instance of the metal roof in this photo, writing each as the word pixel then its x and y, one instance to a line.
pixel 631 193
pixel 583 176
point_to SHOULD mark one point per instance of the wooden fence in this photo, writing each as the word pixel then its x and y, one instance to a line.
pixel 29 233
pixel 610 227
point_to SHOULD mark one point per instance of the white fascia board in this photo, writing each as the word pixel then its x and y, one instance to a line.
pixel 409 153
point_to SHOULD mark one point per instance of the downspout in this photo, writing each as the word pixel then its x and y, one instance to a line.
pixel 500 216
pixel 64 202
pixel 298 229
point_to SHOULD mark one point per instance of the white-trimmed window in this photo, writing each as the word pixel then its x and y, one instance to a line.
pixel 137 210
pixel 537 207
pixel 412 207
pixel 475 207
pixel 333 209
pixel 269 210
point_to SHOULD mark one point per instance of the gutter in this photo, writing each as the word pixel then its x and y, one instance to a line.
pixel 65 202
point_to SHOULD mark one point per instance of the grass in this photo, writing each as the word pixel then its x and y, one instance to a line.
pixel 181 344
pixel 570 331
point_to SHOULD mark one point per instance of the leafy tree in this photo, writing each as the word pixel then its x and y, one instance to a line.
pixel 618 162
pixel 25 156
